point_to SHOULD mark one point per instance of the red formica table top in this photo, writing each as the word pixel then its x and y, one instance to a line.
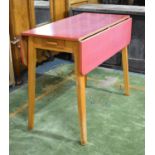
pixel 76 27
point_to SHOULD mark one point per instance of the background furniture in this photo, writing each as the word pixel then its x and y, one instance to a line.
pixel 60 9
pixel 21 19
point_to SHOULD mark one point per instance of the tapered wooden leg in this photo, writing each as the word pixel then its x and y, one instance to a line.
pixel 80 82
pixel 85 80
pixel 125 70
pixel 31 82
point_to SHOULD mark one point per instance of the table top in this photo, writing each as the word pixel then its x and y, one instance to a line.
pixel 111 8
pixel 77 27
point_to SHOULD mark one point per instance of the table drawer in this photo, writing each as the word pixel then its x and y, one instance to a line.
pixel 48 43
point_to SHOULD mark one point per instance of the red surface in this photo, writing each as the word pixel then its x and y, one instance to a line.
pixel 104 45
pixel 76 27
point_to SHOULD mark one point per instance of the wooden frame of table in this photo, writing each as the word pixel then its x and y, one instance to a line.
pixel 76 47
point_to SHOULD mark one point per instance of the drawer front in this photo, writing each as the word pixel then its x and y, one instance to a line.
pixel 48 43
pixel 100 47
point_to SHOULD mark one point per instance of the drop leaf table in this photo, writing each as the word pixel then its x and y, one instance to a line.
pixel 91 38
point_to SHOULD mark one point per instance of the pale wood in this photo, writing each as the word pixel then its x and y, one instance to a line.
pixel 86 78
pixel 80 84
pixel 125 70
pixel 19 17
pixel 59 9
pixel 72 2
pixel 31 13
pixel 16 63
pixel 53 44
pixel 94 1
pixel 73 46
pixel 19 22
pixel 31 82
pixel 51 2
pixel 24 49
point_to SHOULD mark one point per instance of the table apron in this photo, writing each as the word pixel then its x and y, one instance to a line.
pixel 53 44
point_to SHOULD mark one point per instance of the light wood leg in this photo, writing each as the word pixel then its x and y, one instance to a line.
pixel 86 80
pixel 125 70
pixel 31 82
pixel 80 82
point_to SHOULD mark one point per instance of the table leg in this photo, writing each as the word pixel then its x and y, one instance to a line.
pixel 80 84
pixel 31 82
pixel 85 80
pixel 125 70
